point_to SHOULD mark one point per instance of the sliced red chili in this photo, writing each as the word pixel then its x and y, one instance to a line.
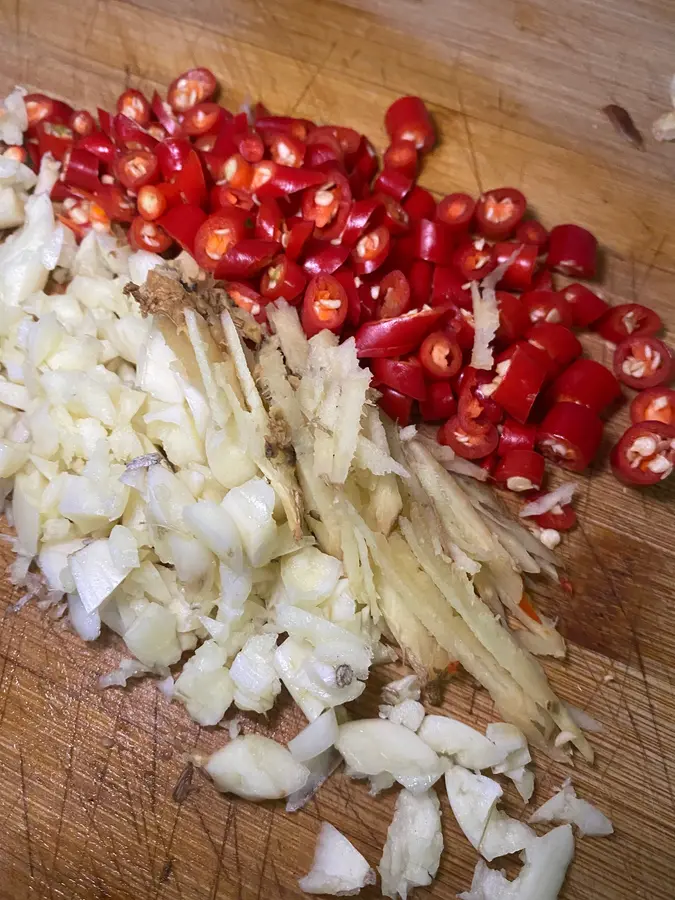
pixel 519 274
pixel 82 122
pixel 519 380
pixel 269 220
pixel 475 407
pixel 182 223
pixel 269 126
pixel 40 107
pixel 398 336
pixel 560 517
pixel 80 169
pixel 547 306
pixel 164 115
pixel 328 206
pixel 645 454
pixel 556 340
pixel 513 318
pixel 440 355
pixel 587 383
pixel 371 250
pixel 217 234
pixel 540 356
pixel 172 154
pixel 294 242
pixel 149 236
pixel 498 212
pixel 448 286
pixel 440 402
pixel 251 146
pixel 628 320
pixel 585 305
pixel 393 298
pixel 643 362
pixel 99 145
pixel 324 305
pixel 420 277
pixel 408 119
pixel 192 87
pixel 393 182
pixel 54 138
pixel 516 436
pixel 573 251
pixel 434 241
pixel 570 435
pixel 419 204
pixel 456 211
pixel 204 118
pixel 323 258
pixel 223 195
pixel 190 180
pixel 532 232
pixel 284 279
pixel 287 150
pixel 130 136
pixel 401 155
pixel 247 258
pixel 359 218
pixel 474 260
pixel 654 405
pixel 273 180
pixel 521 470
pixel 461 323
pixel 404 376
pixel 154 199
pixel 468 444
pixel 396 405
pixel 117 204
pixel 136 168
pixel 246 298
pixel 392 215
pixel 543 281
pixel 135 106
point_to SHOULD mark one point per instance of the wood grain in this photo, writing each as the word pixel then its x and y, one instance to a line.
pixel 516 88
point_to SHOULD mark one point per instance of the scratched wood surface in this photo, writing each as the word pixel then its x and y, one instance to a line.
pixel 86 778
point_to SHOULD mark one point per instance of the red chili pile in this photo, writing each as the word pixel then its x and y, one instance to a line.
pixel 279 207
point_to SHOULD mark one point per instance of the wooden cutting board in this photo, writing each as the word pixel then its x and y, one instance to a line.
pixel 516 88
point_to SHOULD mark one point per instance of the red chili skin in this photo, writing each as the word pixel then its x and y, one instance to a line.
pixel 314 317
pixel 499 212
pixel 397 406
pixel 456 211
pixel 434 241
pixel 371 251
pixel 448 286
pixel 269 125
pixel 643 350
pixel 115 202
pixel 468 445
pixel 329 220
pixel 148 236
pixel 408 119
pixel 246 259
pixel 401 155
pixel 394 297
pixel 172 154
pixel 419 204
pixel 654 405
pixel 136 168
pixel 99 145
pixel 587 383
pixel 217 234
pixel 360 216
pixel 297 238
pixel 640 475
pixel 346 279
pixel 556 340
pixel 322 258
pixel 547 306
pixel 40 107
pixel 461 323
pixel 104 120
pixel 520 386
pixel 513 319
pixel 135 106
pixel 475 410
pixel 204 118
pixel 227 143
pixel 394 183
pixel 397 336
pixel 586 306
pixel 561 521
pixel 519 275
pixel 251 146
pixel 284 279
pixel 80 169
pixel 286 150
pixel 420 276
pixel 472 263
pixel 628 320
pixel 516 436
pixel 441 356
pixel 392 215
pixel 130 136
pixel 190 180
pixel 364 162
pixel 440 402
pixel 521 464
pixel 268 220
pixel 324 149
pixel 190 88
pixel 82 122
pixel 54 138
pixel 246 297
pixel 404 376
pixel 570 436
pixel 543 281
pixel 573 251
pixel 222 195
pixel 164 115
pixel 182 223
pixel 542 358
pixel 532 232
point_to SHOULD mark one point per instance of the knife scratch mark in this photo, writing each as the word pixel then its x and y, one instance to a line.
pixel 24 798
pixel 69 770
pixel 221 853
pixel 265 853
